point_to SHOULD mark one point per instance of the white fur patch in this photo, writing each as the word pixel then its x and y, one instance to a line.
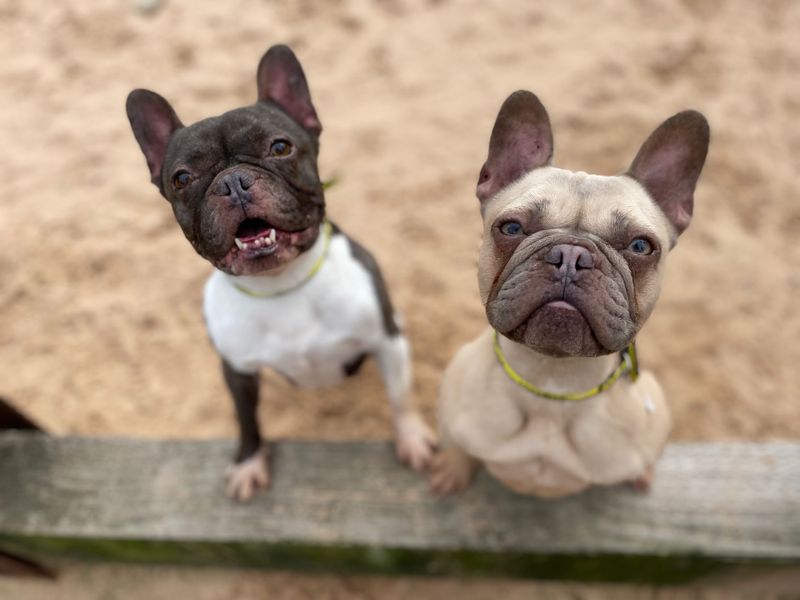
pixel 307 334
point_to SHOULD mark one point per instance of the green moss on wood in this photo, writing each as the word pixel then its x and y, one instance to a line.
pixel 667 569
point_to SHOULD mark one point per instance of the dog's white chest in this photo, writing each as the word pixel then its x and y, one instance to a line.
pixel 308 334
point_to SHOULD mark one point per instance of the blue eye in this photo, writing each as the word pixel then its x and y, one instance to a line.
pixel 640 246
pixel 511 228
pixel 181 179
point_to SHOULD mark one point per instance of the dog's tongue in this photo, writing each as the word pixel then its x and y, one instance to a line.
pixel 251 229
pixel 562 305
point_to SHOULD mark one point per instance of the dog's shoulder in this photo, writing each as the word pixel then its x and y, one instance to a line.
pixel 367 261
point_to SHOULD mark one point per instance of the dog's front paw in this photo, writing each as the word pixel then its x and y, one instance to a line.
pixel 451 472
pixel 245 478
pixel 415 443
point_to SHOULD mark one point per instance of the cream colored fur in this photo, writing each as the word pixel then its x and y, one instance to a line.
pixel 532 444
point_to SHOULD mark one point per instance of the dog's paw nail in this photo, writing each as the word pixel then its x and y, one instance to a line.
pixel 446 477
pixel 416 453
pixel 247 477
pixel 416 443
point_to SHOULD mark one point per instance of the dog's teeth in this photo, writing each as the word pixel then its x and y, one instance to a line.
pixel 257 243
pixel 240 244
pixel 245 245
pixel 267 241
pixel 272 235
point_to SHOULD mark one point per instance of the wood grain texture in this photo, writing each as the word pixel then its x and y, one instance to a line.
pixel 347 506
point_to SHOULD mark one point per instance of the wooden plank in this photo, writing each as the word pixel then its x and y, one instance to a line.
pixel 347 506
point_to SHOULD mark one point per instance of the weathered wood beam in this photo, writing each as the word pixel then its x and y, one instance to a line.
pixel 348 507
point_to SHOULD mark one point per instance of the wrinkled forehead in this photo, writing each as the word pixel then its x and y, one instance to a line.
pixel 562 199
pixel 247 128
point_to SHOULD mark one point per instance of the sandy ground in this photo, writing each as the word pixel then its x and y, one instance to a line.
pixel 100 324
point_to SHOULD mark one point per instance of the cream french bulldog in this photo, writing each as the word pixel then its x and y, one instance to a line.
pixel 549 398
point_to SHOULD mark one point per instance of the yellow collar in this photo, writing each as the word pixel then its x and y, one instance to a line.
pixel 327 231
pixel 628 364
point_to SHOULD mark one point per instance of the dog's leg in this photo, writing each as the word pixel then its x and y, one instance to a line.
pixel 251 470
pixel 414 441
pixel 452 470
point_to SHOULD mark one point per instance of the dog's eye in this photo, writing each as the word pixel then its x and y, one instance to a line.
pixel 640 246
pixel 280 148
pixel 181 179
pixel 511 228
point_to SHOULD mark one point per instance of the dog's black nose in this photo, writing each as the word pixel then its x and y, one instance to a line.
pixel 235 184
pixel 569 259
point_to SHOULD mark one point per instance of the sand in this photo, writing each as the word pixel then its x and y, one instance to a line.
pixel 100 324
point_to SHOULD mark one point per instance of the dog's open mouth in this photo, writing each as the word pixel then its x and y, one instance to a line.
pixel 257 246
pixel 256 236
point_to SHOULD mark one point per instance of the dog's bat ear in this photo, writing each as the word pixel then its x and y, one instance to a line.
pixel 669 163
pixel 522 140
pixel 281 80
pixel 153 122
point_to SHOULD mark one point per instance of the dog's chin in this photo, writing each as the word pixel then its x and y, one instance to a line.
pixel 270 251
pixel 559 329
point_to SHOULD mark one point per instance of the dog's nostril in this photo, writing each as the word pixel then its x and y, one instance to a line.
pixel 246 181
pixel 585 259
pixel 234 185
pixel 570 256
pixel 555 256
pixel 221 188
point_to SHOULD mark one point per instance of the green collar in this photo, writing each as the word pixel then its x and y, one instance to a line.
pixel 327 231
pixel 628 364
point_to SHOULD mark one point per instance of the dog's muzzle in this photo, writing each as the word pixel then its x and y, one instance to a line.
pixel 564 295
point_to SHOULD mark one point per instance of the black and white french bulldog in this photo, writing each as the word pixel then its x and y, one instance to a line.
pixel 290 291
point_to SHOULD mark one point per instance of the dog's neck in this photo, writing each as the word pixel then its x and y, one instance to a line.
pixel 558 375
pixel 285 278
